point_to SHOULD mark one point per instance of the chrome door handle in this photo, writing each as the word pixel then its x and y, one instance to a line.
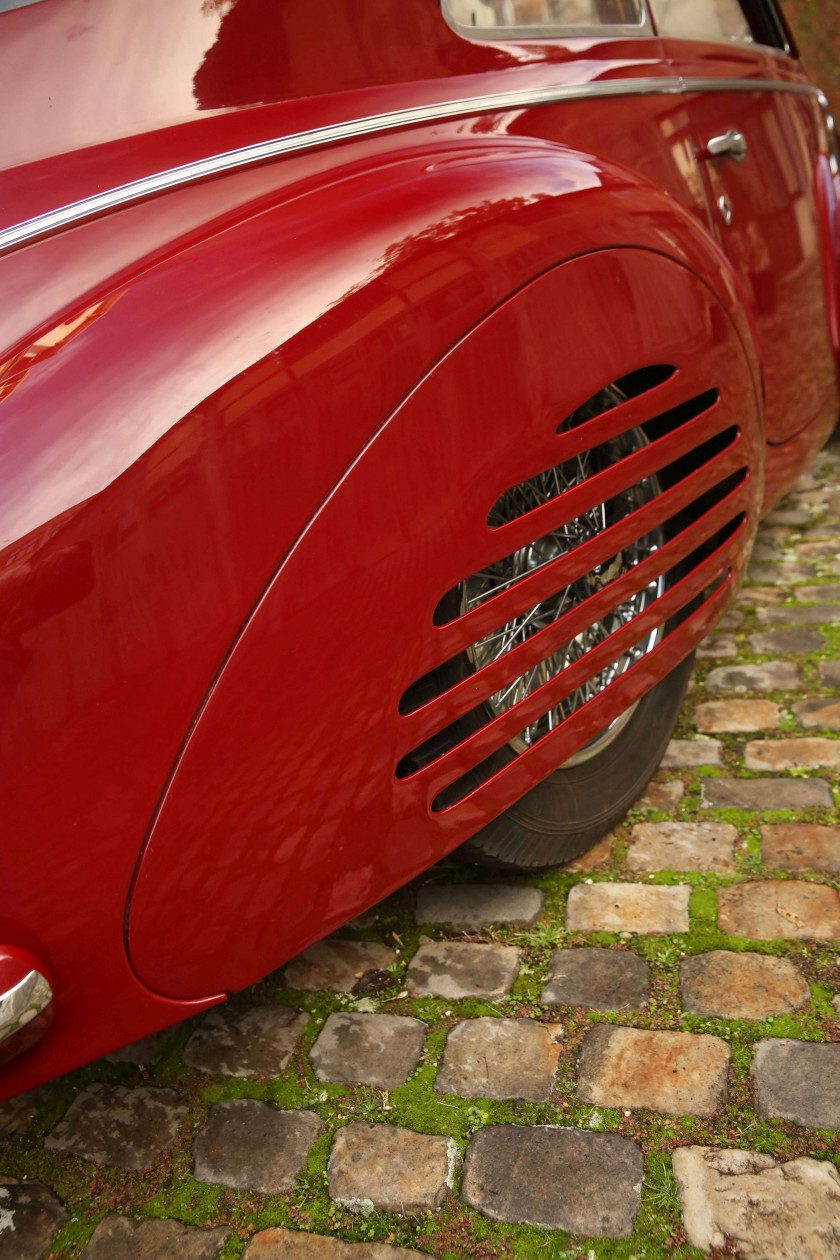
pixel 732 145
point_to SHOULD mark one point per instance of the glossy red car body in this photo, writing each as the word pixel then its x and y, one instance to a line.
pixel 252 418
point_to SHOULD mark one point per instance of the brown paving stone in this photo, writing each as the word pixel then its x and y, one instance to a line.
pixel 823 591
pixel 122 1238
pixel 788 516
pixel 334 964
pixel 791 642
pixel 829 672
pixel 456 969
pixel 733 716
pixel 717 646
pixel 784 574
pixel 798 1081
pixel 600 979
pixel 730 985
pixel 30 1217
pixel 377 1050
pixel 613 907
pixel 584 1183
pixel 754 596
pixel 800 847
pixel 662 795
pixel 593 859
pixel 731 620
pixel 799 615
pixel 680 1074
pixel 822 712
pixel 15 1113
pixel 245 1041
pixel 389 1169
pixel 681 846
pixel 128 1128
pixel 682 754
pixel 783 754
pixel 251 1145
pixel 779 909
pixel 767 676
pixel 769 1211
pixel 464 906
pixel 289 1244
pixel 765 794
pixel 499 1058
pixel 142 1052
pixel 824 549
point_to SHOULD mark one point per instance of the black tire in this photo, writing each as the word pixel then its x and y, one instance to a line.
pixel 574 808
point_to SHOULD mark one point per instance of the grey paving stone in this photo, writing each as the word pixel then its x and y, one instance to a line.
pixel 734 716
pixel 717 646
pixel 818 711
pixel 250 1145
pixel 30 1218
pixel 821 592
pixel 678 846
pixel 758 596
pixel 798 1081
pixel 765 794
pixel 731 620
pixel 662 796
pixel 781 574
pixel 799 615
pixel 584 1183
pixel 288 1244
pixel 377 1050
pixel 245 1041
pixel 15 1113
pixel 121 1238
pixel 769 1211
pixel 142 1052
pixel 835 1002
pixel 829 672
pixel 600 979
pixel 109 1124
pixel 456 969
pixel 822 549
pixel 792 642
pixel 774 908
pixel 788 516
pixel 682 754
pixel 613 907
pixel 801 847
pixel 381 910
pixel 729 985
pixel 768 676
pixel 783 754
pixel 335 964
pixel 463 906
pixel 388 1169
pixel 680 1074
pixel 499 1058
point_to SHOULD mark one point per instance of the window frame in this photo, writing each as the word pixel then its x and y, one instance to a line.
pixel 520 34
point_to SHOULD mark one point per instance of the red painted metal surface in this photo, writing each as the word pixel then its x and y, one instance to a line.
pixel 188 389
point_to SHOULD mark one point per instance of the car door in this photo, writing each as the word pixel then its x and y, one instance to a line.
pixel 759 139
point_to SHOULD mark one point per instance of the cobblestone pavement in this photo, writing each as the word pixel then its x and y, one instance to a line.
pixel 637 1056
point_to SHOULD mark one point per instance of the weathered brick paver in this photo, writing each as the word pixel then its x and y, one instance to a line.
pixel 379 1166
pixel 455 969
pixel 585 1183
pixel 251 1145
pixel 780 908
pixel 256 1041
pixel 30 1216
pixel 684 1074
pixel 555 1044
pixel 109 1124
pixel 741 986
pixel 461 906
pixel 770 1210
pixel 674 846
pixel 798 1081
pixel 602 979
pixel 378 1050
pixel 499 1058
pixel 609 907
pixel 121 1238
pixel 801 846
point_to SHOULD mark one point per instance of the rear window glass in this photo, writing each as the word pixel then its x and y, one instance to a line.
pixel 540 17
pixel 716 20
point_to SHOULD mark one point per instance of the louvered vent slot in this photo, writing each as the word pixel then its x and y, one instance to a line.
pixel 633 527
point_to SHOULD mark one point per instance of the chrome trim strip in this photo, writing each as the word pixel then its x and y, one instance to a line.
pixel 20 1004
pixel 298 142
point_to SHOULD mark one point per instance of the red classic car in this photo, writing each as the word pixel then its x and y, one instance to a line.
pixel 389 393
